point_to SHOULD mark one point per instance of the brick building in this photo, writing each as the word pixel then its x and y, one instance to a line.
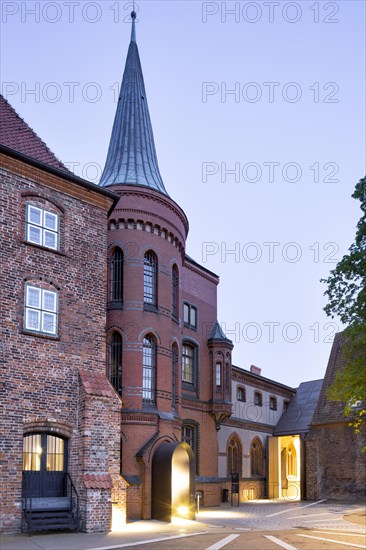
pixel 120 397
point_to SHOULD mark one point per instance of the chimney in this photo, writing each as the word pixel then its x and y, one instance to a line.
pixel 255 370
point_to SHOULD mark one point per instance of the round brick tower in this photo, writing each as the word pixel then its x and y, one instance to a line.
pixel 147 233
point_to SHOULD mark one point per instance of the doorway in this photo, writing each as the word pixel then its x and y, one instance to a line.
pixel 44 465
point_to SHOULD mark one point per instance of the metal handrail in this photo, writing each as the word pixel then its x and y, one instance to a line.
pixel 27 497
pixel 73 490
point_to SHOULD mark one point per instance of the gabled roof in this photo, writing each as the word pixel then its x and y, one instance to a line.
pixel 331 411
pixel 17 135
pixel 297 418
pixel 131 157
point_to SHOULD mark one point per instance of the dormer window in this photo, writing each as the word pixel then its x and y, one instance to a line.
pixel 42 227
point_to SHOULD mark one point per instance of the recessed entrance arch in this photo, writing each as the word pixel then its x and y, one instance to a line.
pixel 173 482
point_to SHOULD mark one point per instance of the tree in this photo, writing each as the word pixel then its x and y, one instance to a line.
pixel 347 299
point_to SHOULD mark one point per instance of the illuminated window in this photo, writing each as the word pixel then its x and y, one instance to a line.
pixel 256 458
pixel 291 461
pixel 149 370
pixel 273 403
pixel 234 456
pixel 189 363
pixel 115 362
pixel 150 278
pixel 32 451
pixel 258 399
pixel 175 291
pixel 240 392
pixel 116 276
pixel 42 227
pixel 189 316
pixel 43 452
pixel 41 310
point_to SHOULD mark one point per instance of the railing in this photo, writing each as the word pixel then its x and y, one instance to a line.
pixel 74 497
pixel 27 511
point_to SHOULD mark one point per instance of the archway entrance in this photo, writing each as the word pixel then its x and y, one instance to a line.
pixel 173 482
pixel 44 465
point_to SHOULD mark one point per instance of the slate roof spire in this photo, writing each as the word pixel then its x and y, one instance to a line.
pixel 131 157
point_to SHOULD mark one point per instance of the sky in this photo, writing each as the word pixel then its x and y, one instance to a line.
pixel 258 111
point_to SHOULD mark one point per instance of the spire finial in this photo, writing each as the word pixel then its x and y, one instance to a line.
pixel 133 30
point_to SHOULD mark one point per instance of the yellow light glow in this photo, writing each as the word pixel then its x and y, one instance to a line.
pixel 182 510
pixel 118 520
pixel 38 450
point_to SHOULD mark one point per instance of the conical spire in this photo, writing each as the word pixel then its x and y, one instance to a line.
pixel 131 155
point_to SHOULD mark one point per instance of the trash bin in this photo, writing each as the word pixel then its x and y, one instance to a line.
pixel 225 495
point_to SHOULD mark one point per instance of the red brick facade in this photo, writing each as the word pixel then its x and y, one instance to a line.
pixel 42 391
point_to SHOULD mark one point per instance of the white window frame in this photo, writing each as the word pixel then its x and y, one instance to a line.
pixel 40 311
pixel 44 229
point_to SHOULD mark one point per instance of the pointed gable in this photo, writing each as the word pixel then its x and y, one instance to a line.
pixel 17 135
pixel 131 157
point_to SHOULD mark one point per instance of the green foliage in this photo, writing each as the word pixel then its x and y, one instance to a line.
pixel 347 299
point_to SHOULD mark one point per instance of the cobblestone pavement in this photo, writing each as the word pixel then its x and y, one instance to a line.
pixel 281 515
pixel 252 525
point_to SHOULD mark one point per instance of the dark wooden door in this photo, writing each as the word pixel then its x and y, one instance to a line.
pixel 44 465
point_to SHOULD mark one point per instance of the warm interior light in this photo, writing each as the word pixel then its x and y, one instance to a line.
pixel 182 510
pixel 118 519
pixel 38 450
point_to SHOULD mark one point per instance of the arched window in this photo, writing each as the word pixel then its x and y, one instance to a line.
pixel 189 363
pixel 174 374
pixel 291 461
pixel 149 370
pixel 115 362
pixel 234 456
pixel 256 458
pixel 218 374
pixel 150 278
pixel 116 276
pixel 175 291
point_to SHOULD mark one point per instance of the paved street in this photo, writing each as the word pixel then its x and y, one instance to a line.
pixel 262 525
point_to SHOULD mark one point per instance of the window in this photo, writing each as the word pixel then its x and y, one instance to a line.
pixel 41 451
pixel 189 363
pixel 148 370
pixel 174 374
pixel 32 451
pixel 115 362
pixel 150 278
pixel 256 458
pixel 116 276
pixel 258 398
pixel 218 375
pixel 40 310
pixel 234 456
pixel 175 291
pixel 286 405
pixel 189 315
pixel 190 436
pixel 240 392
pixel 42 227
pixel 291 461
pixel 273 403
